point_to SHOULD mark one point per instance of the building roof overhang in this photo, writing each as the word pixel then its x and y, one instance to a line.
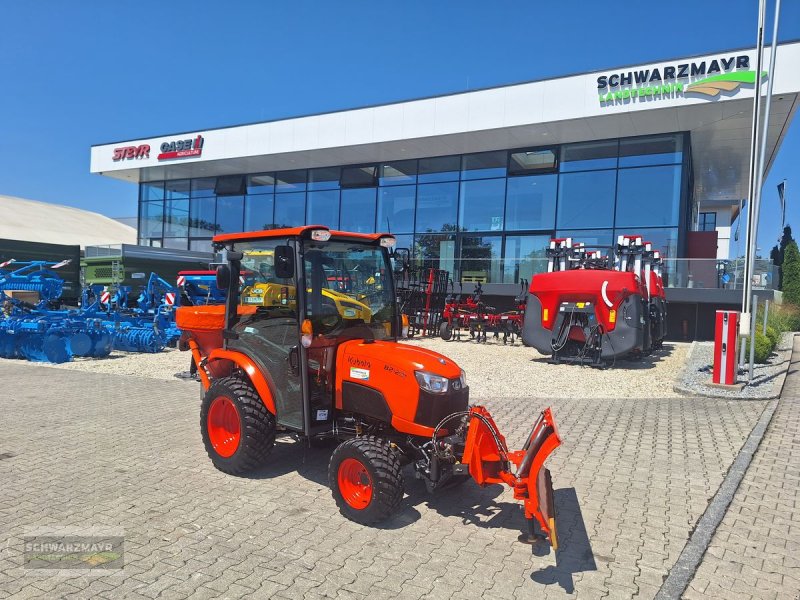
pixel 534 114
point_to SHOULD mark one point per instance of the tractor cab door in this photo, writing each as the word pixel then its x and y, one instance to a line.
pixel 269 331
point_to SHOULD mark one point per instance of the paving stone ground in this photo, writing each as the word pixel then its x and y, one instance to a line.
pixel 755 552
pixel 97 450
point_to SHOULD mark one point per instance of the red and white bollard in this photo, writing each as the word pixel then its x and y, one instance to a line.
pixel 725 338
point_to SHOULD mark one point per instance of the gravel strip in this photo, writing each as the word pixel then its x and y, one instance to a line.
pixel 767 379
pixel 493 370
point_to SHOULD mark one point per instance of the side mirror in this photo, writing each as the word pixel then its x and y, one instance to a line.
pixel 284 262
pixel 223 277
pixel 401 260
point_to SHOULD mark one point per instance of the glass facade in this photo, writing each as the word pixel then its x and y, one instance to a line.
pixel 484 217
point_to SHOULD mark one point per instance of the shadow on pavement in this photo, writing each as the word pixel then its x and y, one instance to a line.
pixel 575 550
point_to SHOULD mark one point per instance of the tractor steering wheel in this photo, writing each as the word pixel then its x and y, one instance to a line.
pixel 329 317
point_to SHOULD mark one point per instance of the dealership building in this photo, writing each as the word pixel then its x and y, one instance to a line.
pixel 478 182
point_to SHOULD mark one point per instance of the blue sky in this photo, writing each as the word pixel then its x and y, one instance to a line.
pixel 81 73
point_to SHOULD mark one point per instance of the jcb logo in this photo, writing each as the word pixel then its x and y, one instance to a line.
pixel 129 152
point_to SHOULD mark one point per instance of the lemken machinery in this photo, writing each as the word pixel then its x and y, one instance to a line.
pixel 299 363
pixel 589 310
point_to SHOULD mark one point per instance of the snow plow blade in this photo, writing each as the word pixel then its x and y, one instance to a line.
pixel 489 461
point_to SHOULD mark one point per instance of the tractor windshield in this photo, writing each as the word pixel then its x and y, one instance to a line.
pixel 348 285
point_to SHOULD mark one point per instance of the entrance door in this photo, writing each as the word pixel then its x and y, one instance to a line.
pixel 269 330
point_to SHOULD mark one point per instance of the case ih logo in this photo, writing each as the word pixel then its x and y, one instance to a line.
pixel 181 148
pixel 129 152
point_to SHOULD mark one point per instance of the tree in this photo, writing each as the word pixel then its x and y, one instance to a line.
pixel 778 252
pixel 791 274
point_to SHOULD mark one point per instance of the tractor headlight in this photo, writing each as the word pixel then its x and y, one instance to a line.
pixel 435 384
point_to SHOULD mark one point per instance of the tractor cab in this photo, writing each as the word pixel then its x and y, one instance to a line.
pixel 306 345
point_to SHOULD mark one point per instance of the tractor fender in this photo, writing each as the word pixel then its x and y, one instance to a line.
pixel 249 367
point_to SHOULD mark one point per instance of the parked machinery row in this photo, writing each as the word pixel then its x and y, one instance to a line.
pixel 475 317
pixel 35 326
pixel 593 308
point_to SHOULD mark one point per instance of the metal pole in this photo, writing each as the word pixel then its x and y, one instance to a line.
pixel 747 283
pixel 766 314
pixel 752 340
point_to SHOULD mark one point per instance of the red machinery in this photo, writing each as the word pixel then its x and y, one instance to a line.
pixel 584 311
pixel 478 318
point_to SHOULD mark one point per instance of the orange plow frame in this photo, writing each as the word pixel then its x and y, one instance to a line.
pixel 489 460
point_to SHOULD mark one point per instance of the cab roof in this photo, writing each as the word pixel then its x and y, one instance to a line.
pixel 303 232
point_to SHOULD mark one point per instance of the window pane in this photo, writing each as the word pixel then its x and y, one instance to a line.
pixel 260 184
pixel 482 205
pixel 290 181
pixel 202 212
pixel 358 210
pixel 399 172
pixel 176 190
pixel 480 259
pixel 442 168
pixel 258 212
pixel 531 202
pixel 203 187
pixel 648 197
pixel 527 162
pixel 324 179
pixel 323 208
pixel 592 155
pixel 437 207
pixel 200 245
pixel 656 150
pixel 230 214
pixel 524 257
pixel 230 185
pixel 176 243
pixel 152 191
pixel 176 222
pixel 436 251
pixel 586 199
pixel 600 239
pixel 404 241
pixel 396 208
pixel 664 239
pixel 151 219
pixel 365 176
pixel 484 165
pixel 290 209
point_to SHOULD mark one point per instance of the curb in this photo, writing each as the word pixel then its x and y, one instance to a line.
pixel 684 569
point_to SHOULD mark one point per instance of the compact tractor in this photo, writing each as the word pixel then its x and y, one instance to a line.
pixel 311 364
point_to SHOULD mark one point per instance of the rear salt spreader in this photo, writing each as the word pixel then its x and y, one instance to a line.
pixel 583 310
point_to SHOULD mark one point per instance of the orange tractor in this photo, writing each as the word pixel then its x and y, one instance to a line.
pixel 306 364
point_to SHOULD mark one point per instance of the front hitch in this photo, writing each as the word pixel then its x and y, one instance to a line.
pixel 489 461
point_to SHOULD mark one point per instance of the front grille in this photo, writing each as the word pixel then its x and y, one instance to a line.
pixel 432 408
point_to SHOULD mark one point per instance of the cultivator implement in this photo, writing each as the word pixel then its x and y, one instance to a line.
pixel 422 298
pixel 477 319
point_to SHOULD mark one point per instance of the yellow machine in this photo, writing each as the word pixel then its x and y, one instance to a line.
pixel 258 290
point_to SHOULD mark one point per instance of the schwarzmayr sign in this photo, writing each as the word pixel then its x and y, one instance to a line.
pixel 710 78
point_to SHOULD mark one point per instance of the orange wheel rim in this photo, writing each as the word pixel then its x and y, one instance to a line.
pixel 355 484
pixel 224 431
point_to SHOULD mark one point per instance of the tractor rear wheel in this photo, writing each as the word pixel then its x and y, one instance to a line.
pixel 445 331
pixel 238 431
pixel 366 479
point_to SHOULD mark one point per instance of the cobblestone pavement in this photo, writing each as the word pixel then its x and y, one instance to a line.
pixel 755 552
pixel 98 450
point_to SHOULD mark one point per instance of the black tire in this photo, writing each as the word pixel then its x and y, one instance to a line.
pixel 256 426
pixel 445 331
pixel 382 464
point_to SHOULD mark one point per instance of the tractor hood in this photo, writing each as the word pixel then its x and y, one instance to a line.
pixel 401 357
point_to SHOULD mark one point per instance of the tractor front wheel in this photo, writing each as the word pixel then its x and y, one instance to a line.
pixel 238 431
pixel 366 479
